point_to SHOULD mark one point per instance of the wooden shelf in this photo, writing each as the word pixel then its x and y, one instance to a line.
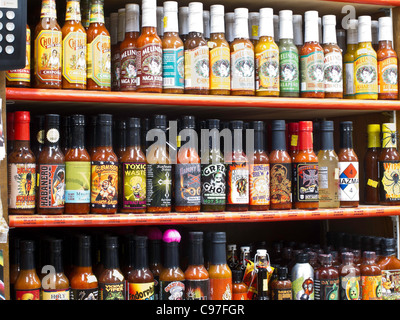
pixel 198 218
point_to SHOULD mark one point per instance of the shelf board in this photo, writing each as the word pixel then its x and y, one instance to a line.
pixel 198 218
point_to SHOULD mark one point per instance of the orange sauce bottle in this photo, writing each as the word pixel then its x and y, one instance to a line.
pixel 239 288
pixel 390 266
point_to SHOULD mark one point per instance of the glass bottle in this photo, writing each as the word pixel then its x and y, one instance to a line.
pixel 349 275
pixel 254 27
pixel 328 165
pixel 197 59
pixel 266 57
pixel 15 263
pixel 220 73
pixel 293 139
pixel 312 59
pixel 298 38
pixel 149 48
pixel 261 263
pixel 371 277
pixel 302 277
pixel 173 51
pixel 239 288
pixel 371 170
pixel 115 53
pixel 232 256
pixel 348 60
pixel 51 165
pixel 281 287
pixel 389 162
pixel 348 168
pixel 21 169
pixel 183 17
pixel 229 26
pixel 390 266
pixel 326 279
pixel 77 170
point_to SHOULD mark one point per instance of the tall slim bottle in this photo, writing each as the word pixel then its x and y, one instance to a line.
pixel 262 266
pixel 348 60
pixel 371 165
pixel 302 277
pixel 183 17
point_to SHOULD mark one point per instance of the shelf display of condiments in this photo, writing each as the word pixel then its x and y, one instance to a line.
pixel 190 50
pixel 151 264
pixel 100 164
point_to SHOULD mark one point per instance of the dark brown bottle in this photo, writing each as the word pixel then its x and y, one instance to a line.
pixel 281 287
pixel 326 279
pixel 371 178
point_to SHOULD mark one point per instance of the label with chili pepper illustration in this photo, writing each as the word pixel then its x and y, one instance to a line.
pixel 213 184
pixel 196 289
pixel 172 290
pixel 104 193
pixel 305 178
pixel 221 289
pixel 390 180
pixel 112 291
pixel 22 182
pixel 51 185
pixel 141 291
pixel 259 184
pixel 159 185
pixel 134 185
pixel 281 183
pixel 187 184
pixel 238 183
pixel 33 294
pixel 350 288
pixel 371 287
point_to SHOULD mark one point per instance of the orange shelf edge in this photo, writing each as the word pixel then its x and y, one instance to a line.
pixel 198 218
pixel 383 3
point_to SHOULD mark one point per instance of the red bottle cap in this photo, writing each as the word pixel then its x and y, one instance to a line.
pixel 22 116
pixel 21 120
pixel 293 127
pixel 305 126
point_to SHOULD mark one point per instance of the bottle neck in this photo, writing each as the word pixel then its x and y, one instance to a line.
pixel 305 141
pixel 56 261
pixel 154 251
pixel 327 140
pixel 77 137
pixel 149 18
pixel 73 12
pixel 311 30
pixel 133 137
pixel 373 140
pixel 22 132
pixel 278 140
pixel 218 254
pixel 385 44
pixel 286 29
pixel 346 140
pixel 48 9
pixel 27 260
pixel 171 255
pixel 237 142
pixel 171 22
pixel 111 258
pixel 96 13
pixel 196 257
pixel 329 36
pixel 141 260
pixel 84 257
pixel 259 141
pixel 241 29
pixel 103 136
pixel 132 22
pixel 52 137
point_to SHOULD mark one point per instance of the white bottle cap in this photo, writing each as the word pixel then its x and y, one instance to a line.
pixel 352 31
pixel 364 29
pixel 160 21
pixel 329 24
pixel 266 26
pixel 319 30
pixel 286 24
pixel 277 27
pixel 374 31
pixel 261 252
pixel 229 26
pixel 206 24
pixel 149 13
pixel 196 17
pixel 298 29
pixel 241 23
pixel 121 24
pixel 132 17
pixel 114 27
pixel 311 28
pixel 385 29
pixel 183 20
pixel 254 24
pixel 170 21
pixel 217 21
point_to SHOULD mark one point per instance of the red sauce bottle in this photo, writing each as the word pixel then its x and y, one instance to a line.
pixel 371 174
pixel 371 277
pixel 390 266
pixel 239 288
pixel 326 279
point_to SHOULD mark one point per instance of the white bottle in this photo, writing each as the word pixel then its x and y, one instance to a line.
pixel 348 72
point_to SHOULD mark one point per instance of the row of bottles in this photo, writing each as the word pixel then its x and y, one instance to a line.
pixel 137 176
pixel 153 265
pixel 125 57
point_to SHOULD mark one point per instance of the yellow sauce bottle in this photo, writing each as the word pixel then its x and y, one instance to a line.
pixel 348 60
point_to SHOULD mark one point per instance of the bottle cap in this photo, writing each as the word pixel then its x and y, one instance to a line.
pixel 170 6
pixel 55 245
pixel 121 124
pixel 373 128
pixel 261 252
pixel 278 125
pixel 140 241
pixel 236 124
pixel 196 17
pixel 282 272
pixel 257 125
pixel 374 31
pixel 348 256
pixel 369 255
pixel 132 17
pixel 385 29
pixel 27 245
pixel 218 237
pixel 160 121
pixel 329 19
pixel 266 22
pixel 77 120
pixel 104 120
pixel 346 126
pixel 237 276
pixel 111 242
pixel 134 123
pixel 326 258
pixel 188 122
pixel 231 247
pixel 149 13
pixel 196 236
pixel 388 127
pixel 213 124
pixel 326 126
pixel 160 19
pixel 183 20
pixel 22 116
pixel 364 29
pixel 305 126
pixel 302 257
pixel 217 24
pixel 298 29
pixel 293 127
pixel 285 24
pixel 84 240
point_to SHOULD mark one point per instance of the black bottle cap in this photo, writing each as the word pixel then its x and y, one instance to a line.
pixel 369 255
pixel 213 124
pixel 66 121
pixel 134 123
pixel 236 124
pixel 326 126
pixel 388 242
pixel 27 245
pixel 346 126
pixel 104 120
pixel 325 258
pixel 278 125
pixel 141 241
pixel 302 257
pixel 196 236
pixel 52 119
pixel 237 276
pixel 121 124
pixel 55 245
pixel 218 237
pixel 84 240
pixel 160 121
pixel 111 242
pixel 282 272
pixel 257 125
pixel 77 120
pixel 146 124
pixel 188 122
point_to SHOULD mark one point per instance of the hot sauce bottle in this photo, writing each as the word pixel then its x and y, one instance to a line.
pixel 371 277
pixel 48 48
pixel 149 51
pixel 115 53
pixel 21 78
pixel 390 266
pixel 293 139
pixel 365 63
pixel 173 51
pixel 172 278
pixel 349 278
pixel 237 172
pixel 333 59
pixel 77 170
pixel 51 173
pixel 141 280
pixel 348 168
pixel 197 279
pixel 267 57
pixel 83 282
pixel 259 174
pixel 220 60
pixel 389 163
pixel 348 60
pixel 197 59
pixel 281 287
pixel 27 286
pixel 263 271
pixel 104 169
pixel 242 57
pixel 219 271
pixel 183 17
pixel 305 170
pixel 187 170
pixel 289 69
pixel 154 236
pixel 371 165
pixel 280 168
pixel 74 48
pixel 388 88
pixel 239 288
pixel 312 59
pixel 229 26
pixel 326 279
pixel 128 48
pixel 298 38
pixel 98 50
pixel 21 169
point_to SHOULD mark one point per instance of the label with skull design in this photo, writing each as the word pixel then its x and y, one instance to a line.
pixel 133 185
pixel 213 177
pixel 187 184
pixel 305 177
pixel 281 183
pixel 238 183
pixel 312 72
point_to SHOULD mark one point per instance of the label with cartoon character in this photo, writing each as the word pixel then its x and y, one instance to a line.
pixel 333 72
pixel 197 68
pixel 281 183
pixel 387 75
pixel 220 70
pixel 149 66
pixel 312 72
pixel 134 185
pixel 267 66
pixel 238 183
pixel 99 60
pixel 128 70
pixel 242 69
pixel 305 182
pixel 390 284
pixel 289 71
pixel 51 191
pixel 112 291
pixel 366 74
pixel 172 290
pixel 259 184
pixel 104 193
pixel 22 182
pixel 303 288
pixel 213 180
pixel 84 294
pixel 187 184
pixel 390 180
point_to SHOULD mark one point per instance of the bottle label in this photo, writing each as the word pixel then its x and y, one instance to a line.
pixel 48 9
pixel 33 294
pixel 187 184
pixel 390 182
pixel 84 294
pixel 21 185
pixel 99 60
pixel 55 294
pixel 281 294
pixel 48 47
pixel 51 185
pixel 328 177
pixel 349 88
pixel 73 11
pixel 366 75
pixel 213 181
pixel 149 66
pixel 104 192
pixel 242 64
pixel 303 288
pixel 173 68
pixel 390 284
pixel 116 69
pixel 77 182
pixel 348 181
pixel 141 291
pixel 267 75
pixel 289 71
pixel 156 287
pixel 333 72
pixel 197 73
pixel 312 72
pixel 238 183
pixel 221 289
pixel 112 291
pixel 74 57
pixel 350 288
pixel 326 289
pixel 159 185
pixel 305 177
pixel 22 75
pixel 196 289
pixel 387 75
pixel 172 290
pixel 96 13
pixel 371 287
pixel 241 296
pixel 134 185
pixel 220 69
pixel 281 183
pixel 259 184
